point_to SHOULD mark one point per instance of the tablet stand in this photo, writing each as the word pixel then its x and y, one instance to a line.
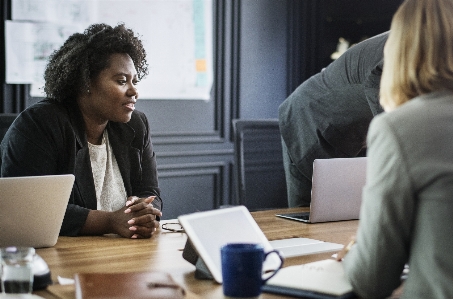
pixel 190 255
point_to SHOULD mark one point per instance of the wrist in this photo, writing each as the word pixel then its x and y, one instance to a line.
pixel 97 223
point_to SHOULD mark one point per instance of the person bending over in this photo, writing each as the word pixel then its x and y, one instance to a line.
pixel 328 115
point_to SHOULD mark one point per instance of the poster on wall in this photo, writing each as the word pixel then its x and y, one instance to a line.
pixel 177 36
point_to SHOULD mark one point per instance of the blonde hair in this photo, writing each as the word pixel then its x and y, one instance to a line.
pixel 418 55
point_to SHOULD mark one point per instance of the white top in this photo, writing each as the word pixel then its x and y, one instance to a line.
pixel 108 182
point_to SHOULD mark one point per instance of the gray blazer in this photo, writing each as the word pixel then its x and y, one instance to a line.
pixel 407 209
pixel 328 115
pixel 49 138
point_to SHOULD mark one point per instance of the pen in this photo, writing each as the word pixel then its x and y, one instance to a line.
pixel 349 246
pixel 340 255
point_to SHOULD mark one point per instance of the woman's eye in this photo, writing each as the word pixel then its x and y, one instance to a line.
pixel 122 82
pixel 135 82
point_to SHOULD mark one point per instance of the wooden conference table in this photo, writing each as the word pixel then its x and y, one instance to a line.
pixel 163 252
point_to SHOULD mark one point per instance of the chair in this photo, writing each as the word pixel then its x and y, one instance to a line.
pixel 259 173
pixel 6 119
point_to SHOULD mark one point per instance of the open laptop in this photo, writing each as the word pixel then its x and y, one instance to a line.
pixel 32 209
pixel 336 190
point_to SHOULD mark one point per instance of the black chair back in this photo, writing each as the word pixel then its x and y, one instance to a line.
pixel 259 173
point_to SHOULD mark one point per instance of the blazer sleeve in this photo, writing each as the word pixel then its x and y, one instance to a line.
pixel 35 145
pixel 375 263
pixel 149 184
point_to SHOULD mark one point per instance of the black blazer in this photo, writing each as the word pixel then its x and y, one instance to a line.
pixel 49 138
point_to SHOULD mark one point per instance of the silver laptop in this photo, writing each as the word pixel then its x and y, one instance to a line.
pixel 336 190
pixel 32 209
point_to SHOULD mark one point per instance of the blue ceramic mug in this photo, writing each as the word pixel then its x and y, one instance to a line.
pixel 242 269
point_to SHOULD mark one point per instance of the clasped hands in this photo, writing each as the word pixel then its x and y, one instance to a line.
pixel 142 217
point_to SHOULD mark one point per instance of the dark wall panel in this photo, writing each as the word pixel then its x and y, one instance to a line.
pixel 263 57
pixel 191 188
pixel 179 115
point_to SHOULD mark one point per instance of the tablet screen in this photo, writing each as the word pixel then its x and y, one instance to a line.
pixel 209 231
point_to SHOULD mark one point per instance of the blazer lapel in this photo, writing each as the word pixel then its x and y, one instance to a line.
pixel 84 183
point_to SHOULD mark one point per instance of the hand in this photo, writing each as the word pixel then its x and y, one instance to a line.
pixel 136 220
pixel 144 223
pixel 345 250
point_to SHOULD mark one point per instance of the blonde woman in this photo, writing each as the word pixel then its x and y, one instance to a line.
pixel 407 210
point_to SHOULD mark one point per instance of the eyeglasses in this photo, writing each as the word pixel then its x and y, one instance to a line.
pixel 173 227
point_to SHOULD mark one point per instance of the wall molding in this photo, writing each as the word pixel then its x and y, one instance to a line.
pixel 199 153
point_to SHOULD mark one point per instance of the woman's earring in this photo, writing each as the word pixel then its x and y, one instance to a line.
pixel 88 91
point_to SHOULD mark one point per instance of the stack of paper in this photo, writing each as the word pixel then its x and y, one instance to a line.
pixel 303 246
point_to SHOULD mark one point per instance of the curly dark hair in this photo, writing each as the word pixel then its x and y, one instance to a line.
pixel 84 55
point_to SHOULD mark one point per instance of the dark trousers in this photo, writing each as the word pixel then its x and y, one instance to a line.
pixel 298 184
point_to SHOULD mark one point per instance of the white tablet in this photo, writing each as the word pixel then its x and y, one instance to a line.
pixel 209 231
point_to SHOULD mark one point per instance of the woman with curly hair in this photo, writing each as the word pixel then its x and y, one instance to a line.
pixel 88 126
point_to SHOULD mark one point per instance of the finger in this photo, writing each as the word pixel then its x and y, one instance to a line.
pixel 143 203
pixel 143 209
pixel 137 236
pixel 156 212
pixel 147 220
pixel 131 200
pixel 136 206
pixel 345 250
pixel 134 199
pixel 144 232
pixel 340 255
pixel 149 199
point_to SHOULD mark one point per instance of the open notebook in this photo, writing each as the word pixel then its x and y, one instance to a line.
pixel 336 190
pixel 32 209
pixel 318 280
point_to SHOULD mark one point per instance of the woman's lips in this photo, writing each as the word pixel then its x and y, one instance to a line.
pixel 130 106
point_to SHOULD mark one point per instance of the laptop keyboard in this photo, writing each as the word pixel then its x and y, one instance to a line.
pixel 305 216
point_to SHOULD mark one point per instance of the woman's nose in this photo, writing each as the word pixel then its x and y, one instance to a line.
pixel 132 92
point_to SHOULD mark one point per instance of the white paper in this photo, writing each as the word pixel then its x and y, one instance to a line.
pixel 32 10
pixel 175 33
pixel 303 246
pixel 177 36
pixel 52 11
pixel 326 276
pixel 19 52
pixel 65 281
pixel 49 37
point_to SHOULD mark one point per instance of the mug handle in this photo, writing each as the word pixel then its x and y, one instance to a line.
pixel 278 268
